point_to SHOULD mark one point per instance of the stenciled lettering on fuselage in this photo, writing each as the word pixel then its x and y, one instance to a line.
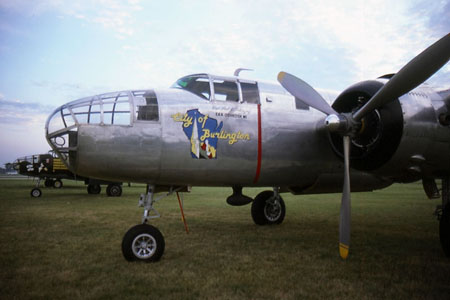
pixel 204 133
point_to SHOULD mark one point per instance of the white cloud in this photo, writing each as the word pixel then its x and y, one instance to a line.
pixel 18 112
pixel 350 40
pixel 114 15
pixel 378 37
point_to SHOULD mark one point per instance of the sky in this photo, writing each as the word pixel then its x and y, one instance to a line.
pixel 56 51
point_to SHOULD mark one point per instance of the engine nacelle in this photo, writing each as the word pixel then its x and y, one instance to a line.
pixel 381 130
pixel 405 140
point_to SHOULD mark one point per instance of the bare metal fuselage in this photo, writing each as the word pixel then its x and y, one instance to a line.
pixel 272 142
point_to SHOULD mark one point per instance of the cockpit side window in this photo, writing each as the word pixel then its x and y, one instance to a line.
pixel 250 92
pixel 225 90
pixel 199 85
pixel 147 107
pixel 219 88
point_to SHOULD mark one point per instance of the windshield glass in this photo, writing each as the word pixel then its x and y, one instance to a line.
pixel 197 84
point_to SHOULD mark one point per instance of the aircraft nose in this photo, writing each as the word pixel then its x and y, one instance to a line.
pixel 61 133
pixel 101 111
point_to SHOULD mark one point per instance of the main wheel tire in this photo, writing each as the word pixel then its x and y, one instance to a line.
pixel 94 188
pixel 36 192
pixel 48 182
pixel 57 184
pixel 114 190
pixel 444 230
pixel 267 211
pixel 143 242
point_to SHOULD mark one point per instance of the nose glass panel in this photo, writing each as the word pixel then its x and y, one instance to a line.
pixel 105 109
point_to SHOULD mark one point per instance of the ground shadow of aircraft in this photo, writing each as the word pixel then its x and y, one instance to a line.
pixel 52 170
pixel 212 130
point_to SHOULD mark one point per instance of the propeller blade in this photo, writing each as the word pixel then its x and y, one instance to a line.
pixel 345 218
pixel 303 91
pixel 410 76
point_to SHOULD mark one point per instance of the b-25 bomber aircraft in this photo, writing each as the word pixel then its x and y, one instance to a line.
pixel 210 130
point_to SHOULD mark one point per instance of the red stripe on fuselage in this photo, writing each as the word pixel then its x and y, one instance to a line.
pixel 258 166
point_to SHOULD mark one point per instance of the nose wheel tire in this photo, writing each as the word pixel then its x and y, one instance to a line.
pixel 267 209
pixel 36 192
pixel 143 242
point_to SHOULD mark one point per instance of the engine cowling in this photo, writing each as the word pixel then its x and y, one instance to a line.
pixel 381 130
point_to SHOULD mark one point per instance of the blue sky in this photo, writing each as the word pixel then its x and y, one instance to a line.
pixel 54 51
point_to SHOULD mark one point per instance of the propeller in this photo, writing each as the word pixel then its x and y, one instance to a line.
pixel 303 91
pixel 414 73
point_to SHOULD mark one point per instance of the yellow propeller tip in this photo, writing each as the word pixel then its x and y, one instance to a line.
pixel 281 76
pixel 343 251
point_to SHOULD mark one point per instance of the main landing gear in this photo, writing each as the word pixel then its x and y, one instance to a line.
pixel 145 242
pixel 268 208
pixel 112 190
pixel 57 183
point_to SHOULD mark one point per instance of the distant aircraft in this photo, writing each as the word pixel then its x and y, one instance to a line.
pixel 9 169
pixel 51 169
pixel 212 130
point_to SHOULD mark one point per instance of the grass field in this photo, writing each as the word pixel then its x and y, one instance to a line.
pixel 67 245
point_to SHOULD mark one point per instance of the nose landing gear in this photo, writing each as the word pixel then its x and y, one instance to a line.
pixel 145 242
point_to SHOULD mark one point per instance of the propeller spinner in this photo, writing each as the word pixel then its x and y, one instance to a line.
pixel 409 77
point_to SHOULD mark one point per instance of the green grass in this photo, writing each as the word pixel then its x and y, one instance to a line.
pixel 67 245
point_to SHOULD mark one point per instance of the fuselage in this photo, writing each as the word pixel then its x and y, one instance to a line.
pixel 224 131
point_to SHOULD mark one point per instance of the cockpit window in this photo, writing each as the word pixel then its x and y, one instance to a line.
pixel 217 88
pixel 250 93
pixel 147 107
pixel 197 84
pixel 225 90
pixel 107 109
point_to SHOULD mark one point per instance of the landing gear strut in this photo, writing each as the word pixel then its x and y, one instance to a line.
pixel 268 208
